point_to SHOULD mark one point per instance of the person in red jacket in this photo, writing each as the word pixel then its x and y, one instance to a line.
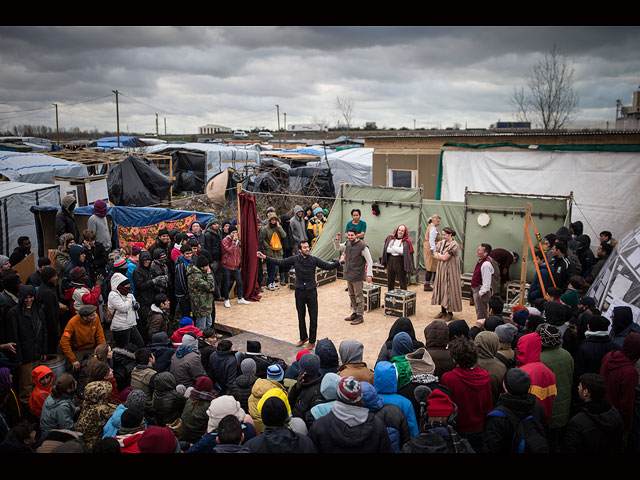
pixel 621 376
pixel 42 379
pixel 231 266
pixel 543 380
pixel 470 388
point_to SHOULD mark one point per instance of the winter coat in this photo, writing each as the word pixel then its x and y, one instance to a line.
pixel 598 429
pixel 330 434
pixel 402 324
pixel 201 286
pixel 622 379
pixel 230 254
pixel 487 343
pixel 143 281
pixel 176 338
pixel 29 328
pixel 124 362
pixel 561 363
pixel 186 367
pixel 213 244
pixel 436 336
pixel 180 284
pixel 162 350
pixel 385 382
pixel 391 415
pixel 157 321
pixel 535 289
pixel 40 392
pixel 223 369
pixel 80 335
pixel 65 219
pixel 589 354
pixel 260 387
pixel 303 400
pixel 74 261
pixel 297 228
pixel 142 378
pixel 167 402
pixel 241 389
pixel 58 413
pixel 471 390
pixel 194 416
pixel 96 411
pixel 124 316
pixel 498 430
pixel 543 380
pixel 266 233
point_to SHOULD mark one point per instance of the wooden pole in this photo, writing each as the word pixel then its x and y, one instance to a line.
pixel 239 191
pixel 525 252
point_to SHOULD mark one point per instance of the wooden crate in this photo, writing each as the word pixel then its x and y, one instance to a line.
pixel 379 274
pixel 465 279
pixel 513 293
pixel 400 303
pixel 323 277
pixel 372 296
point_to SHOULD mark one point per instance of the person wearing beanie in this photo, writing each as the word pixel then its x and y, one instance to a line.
pixel 262 361
pixel 162 243
pixel 260 388
pixel 79 292
pixel 194 415
pixel 543 380
pixel 241 388
pixel 315 225
pixel 619 371
pixel 277 436
pixel 231 267
pixel 591 351
pixel 505 353
pixel 597 428
pixel 132 426
pixel 201 287
pixel 135 400
pixel 160 268
pixel 570 298
pixel 186 365
pixel 158 440
pixel 306 293
pixel 350 427
pixel 223 366
pixel 561 363
pixel 306 392
pixel 352 364
pixel 186 327
pixel 622 323
pixel 512 407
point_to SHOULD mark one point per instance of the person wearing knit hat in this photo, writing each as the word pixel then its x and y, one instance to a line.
pixel 201 287
pixel 520 317
pixel 158 440
pixel 505 353
pixel 275 373
pixel 306 391
pixel 570 298
pixel 99 224
pixel 439 405
pixel 316 225
pixel 367 433
pixel 590 351
pixel 512 406
pixel 194 415
pixel 243 385
pixel 587 302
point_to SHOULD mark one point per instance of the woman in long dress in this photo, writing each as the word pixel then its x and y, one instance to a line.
pixel 447 291
pixel 432 237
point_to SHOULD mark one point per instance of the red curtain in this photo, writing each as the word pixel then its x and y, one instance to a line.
pixel 249 246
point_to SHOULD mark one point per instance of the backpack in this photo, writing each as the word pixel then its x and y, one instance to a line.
pixel 274 243
pixel 528 434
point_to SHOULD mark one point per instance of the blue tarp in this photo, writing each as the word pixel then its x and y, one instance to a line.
pixel 112 142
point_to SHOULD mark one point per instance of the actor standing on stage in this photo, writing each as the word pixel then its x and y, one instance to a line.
pixel 356 259
pixel 397 257
pixel 481 281
pixel 305 286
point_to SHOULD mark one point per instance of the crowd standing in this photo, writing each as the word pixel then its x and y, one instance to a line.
pixel 146 371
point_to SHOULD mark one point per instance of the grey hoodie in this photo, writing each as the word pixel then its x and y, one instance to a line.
pixel 297 227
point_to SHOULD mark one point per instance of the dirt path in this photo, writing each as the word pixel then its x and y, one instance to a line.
pixel 275 316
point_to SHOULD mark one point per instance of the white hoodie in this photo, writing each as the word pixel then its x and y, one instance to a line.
pixel 124 316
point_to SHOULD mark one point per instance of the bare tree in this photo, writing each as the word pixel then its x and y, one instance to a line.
pixel 345 106
pixel 549 98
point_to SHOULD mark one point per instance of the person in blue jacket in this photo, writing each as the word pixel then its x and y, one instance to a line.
pixel 385 381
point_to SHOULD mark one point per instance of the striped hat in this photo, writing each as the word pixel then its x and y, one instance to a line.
pixel 349 390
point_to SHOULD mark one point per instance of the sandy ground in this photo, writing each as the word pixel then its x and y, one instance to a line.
pixel 275 316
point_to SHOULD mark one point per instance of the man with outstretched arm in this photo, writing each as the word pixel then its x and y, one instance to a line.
pixel 305 287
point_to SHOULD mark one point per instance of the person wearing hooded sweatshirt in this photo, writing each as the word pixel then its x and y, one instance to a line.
pixel 470 387
pixel 543 380
pixel 622 324
pixel 201 285
pixel 47 296
pixel 385 381
pixel 42 380
pixel 59 410
pixel 351 355
pixel 167 402
pixel 561 363
pixel 144 283
pixel 77 257
pixel 487 343
pixel 79 293
pixel 315 226
pixel 271 238
pixel 29 328
pixel 95 413
pixel 65 219
pixel 400 347
pixel 391 415
pixel 402 324
pixel 397 257
pixel 278 436
pixel 123 305
pixel 350 427
pixel 223 366
pixel 186 365
pixel 436 337
pixel 241 388
pixel 298 228
pixel 326 351
pixel 159 268
pixel 328 387
pixel 275 375
pixel 619 371
pixel 305 394
pixel 62 257
pixel 162 350
pixel 194 415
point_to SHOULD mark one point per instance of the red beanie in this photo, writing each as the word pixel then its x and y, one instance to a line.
pixel 300 354
pixel 157 440
pixel 440 405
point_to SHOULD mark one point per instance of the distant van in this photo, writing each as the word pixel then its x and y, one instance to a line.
pixel 265 135
pixel 240 134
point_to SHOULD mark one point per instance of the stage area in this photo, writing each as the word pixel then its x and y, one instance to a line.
pixel 274 321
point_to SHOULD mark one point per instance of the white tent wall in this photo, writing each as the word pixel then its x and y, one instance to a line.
pixel 16 219
pixel 352 166
pixel 38 168
pixel 604 184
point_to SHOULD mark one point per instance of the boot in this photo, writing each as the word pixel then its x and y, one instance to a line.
pixel 358 320
pixel 351 318
pixel 441 315
pixel 301 342
pixel 428 287
pixel 448 317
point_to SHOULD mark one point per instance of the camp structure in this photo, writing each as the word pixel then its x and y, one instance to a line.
pixel 602 179
pixel 353 166
pixel 37 167
pixel 16 199
pixel 618 283
pixel 195 163
pixel 137 182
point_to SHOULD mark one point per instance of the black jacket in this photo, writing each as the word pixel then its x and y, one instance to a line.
pixel 29 327
pixel 303 400
pixel 597 429
pixel 588 358
pixel 167 402
pixel 143 281
pixel 223 369
pixel 241 390
pixel 305 268
pixel 280 440
pixel 47 297
pixel 123 364
pixel 163 350
pixel 213 245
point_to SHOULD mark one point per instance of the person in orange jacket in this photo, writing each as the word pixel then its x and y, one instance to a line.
pixel 81 336
pixel 42 379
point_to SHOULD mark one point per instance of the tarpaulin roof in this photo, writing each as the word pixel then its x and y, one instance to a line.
pixel 38 168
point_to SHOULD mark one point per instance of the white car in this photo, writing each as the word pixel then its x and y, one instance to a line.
pixel 240 134
pixel 265 135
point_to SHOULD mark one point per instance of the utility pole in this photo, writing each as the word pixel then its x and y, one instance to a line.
pixel 414 123
pixel 285 127
pixel 165 126
pixel 117 116
pixel 57 125
pixel 279 135
pixel 157 132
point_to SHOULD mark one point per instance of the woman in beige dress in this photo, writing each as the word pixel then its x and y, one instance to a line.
pixel 447 290
pixel 431 238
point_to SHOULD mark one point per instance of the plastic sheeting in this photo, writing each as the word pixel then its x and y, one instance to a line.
pixel 38 168
pixel 604 184
pixel 353 166
pixel 137 182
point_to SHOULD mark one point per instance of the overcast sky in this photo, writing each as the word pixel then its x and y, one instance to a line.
pixel 234 76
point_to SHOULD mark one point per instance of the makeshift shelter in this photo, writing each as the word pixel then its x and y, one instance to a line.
pixel 112 142
pixel 16 198
pixel 37 167
pixel 137 182
pixel 618 283
pixel 222 187
pixel 603 179
pixel 311 181
pixel 353 166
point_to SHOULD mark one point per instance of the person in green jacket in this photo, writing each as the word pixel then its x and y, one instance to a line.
pixel 201 286
pixel 271 244
pixel 561 363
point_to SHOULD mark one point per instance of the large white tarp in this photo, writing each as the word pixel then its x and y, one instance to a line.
pixel 604 184
pixel 38 168
pixel 353 166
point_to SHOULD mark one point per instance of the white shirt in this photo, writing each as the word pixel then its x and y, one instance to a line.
pixel 486 271
pixel 433 233
pixel 395 248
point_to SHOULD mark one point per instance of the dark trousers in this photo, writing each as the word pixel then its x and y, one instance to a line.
pixel 307 300
pixel 395 270
pixel 226 284
pixel 216 268
pixel 184 309
pixel 123 337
